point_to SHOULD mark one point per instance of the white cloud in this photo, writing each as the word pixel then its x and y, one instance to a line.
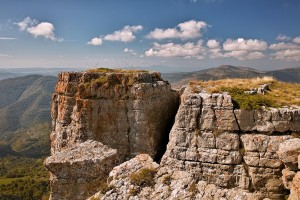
pixel 27 22
pixel 213 44
pixel 95 41
pixel 242 44
pixel 7 38
pixel 186 30
pixel 5 55
pixel 255 55
pixel 297 40
pixel 282 46
pixel 126 34
pixel 288 55
pixel 187 50
pixel 43 29
pixel 131 51
pixel 282 37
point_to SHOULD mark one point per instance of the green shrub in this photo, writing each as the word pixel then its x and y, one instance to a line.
pixel 247 101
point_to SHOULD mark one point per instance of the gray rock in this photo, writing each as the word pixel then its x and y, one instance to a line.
pixel 288 152
pixel 75 171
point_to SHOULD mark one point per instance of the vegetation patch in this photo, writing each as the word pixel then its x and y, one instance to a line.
pixel 280 94
pixel 143 178
pixel 104 187
pixel 17 182
pixel 119 70
pixel 166 180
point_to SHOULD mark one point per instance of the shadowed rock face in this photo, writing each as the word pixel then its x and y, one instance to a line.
pixel 216 152
pixel 129 112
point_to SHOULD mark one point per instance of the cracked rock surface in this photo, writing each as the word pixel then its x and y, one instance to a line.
pixel 217 152
pixel 129 112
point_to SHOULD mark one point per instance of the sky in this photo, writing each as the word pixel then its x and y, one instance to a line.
pixel 184 35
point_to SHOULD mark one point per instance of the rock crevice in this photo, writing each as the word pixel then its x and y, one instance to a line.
pixel 214 151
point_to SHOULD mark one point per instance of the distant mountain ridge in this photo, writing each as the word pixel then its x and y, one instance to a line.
pixel 228 71
pixel 25 119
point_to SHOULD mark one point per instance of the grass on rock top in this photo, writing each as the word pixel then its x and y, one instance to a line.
pixel 280 94
pixel 108 70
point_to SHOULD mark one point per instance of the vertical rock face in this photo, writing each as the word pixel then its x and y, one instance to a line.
pixel 129 112
pixel 217 152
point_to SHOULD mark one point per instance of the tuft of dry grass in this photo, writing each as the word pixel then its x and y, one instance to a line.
pixel 119 70
pixel 281 94
pixel 244 84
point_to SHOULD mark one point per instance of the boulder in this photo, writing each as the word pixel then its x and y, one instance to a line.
pixel 288 152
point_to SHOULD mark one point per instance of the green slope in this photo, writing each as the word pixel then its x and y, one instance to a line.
pixel 25 121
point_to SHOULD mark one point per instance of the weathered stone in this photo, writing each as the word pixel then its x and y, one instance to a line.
pixel 127 111
pixel 295 188
pixel 287 177
pixel 288 152
pixel 214 151
pixel 75 172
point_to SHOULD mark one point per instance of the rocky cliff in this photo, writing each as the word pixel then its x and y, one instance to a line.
pixel 125 113
pixel 215 151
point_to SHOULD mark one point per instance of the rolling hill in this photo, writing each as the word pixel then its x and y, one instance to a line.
pixel 25 121
pixel 227 71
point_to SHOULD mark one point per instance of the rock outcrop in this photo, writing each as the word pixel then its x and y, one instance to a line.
pixel 214 150
pixel 217 152
pixel 129 112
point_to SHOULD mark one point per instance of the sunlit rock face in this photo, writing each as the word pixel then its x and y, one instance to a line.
pixel 128 112
pixel 218 152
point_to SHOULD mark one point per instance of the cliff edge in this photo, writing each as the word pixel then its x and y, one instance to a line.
pixel 217 149
pixel 110 115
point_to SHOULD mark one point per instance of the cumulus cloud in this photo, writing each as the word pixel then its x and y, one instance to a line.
pixel 213 44
pixel 186 30
pixel 187 50
pixel 242 44
pixel 95 41
pixel 288 55
pixel 282 37
pixel 126 34
pixel 282 45
pixel 43 29
pixel 297 40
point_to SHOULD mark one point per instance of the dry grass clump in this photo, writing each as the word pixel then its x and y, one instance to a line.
pixel 143 178
pixel 120 70
pixel 244 84
pixel 280 94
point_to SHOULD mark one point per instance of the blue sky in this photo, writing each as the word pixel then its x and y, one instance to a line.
pixel 181 34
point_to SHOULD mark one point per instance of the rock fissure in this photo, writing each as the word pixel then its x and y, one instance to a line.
pixel 213 150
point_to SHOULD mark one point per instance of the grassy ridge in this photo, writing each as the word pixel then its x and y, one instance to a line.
pixel 280 94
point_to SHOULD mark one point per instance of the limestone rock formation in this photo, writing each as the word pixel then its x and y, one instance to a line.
pixel 128 111
pixel 77 171
pixel 216 152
